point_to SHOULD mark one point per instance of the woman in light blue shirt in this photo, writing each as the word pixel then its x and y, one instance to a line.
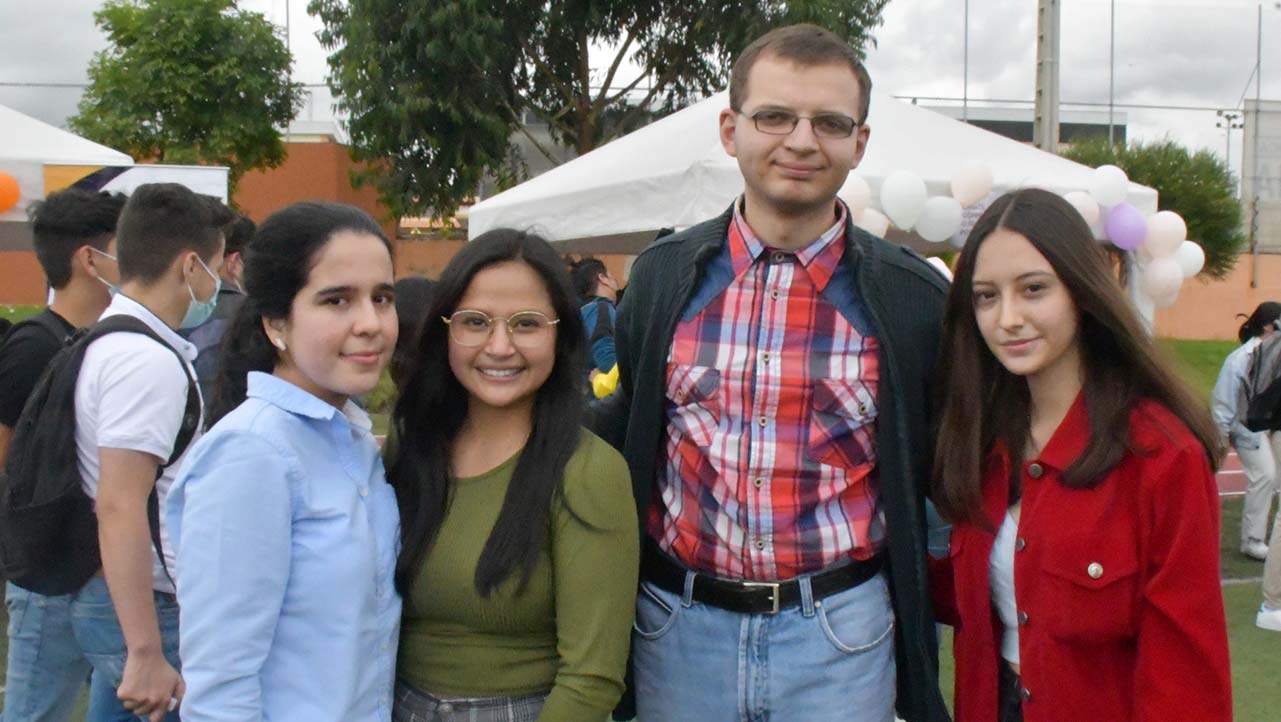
pixel 1257 450
pixel 285 527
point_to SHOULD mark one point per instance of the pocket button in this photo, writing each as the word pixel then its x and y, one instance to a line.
pixel 1095 570
pixel 1035 470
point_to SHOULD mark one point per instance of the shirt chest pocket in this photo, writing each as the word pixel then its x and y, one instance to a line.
pixel 1090 592
pixel 693 402
pixel 842 427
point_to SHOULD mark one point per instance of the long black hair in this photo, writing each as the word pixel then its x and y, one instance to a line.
pixel 982 402
pixel 1264 315
pixel 278 262
pixel 433 406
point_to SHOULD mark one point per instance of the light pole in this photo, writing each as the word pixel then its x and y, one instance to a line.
pixel 1111 71
pixel 965 72
pixel 1229 120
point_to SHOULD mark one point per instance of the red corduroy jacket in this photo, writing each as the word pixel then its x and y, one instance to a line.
pixel 1120 607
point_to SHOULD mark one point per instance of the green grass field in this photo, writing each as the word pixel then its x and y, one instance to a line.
pixel 1255 653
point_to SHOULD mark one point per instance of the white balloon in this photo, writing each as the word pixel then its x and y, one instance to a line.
pixel 1167 300
pixel 903 198
pixel 940 219
pixel 874 222
pixel 1166 230
pixel 971 184
pixel 1161 278
pixel 856 193
pixel 1084 204
pixel 1109 185
pixel 1191 258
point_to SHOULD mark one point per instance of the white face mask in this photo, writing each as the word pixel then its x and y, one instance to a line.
pixel 112 288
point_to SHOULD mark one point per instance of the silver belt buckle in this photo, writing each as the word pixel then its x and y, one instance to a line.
pixel 774 592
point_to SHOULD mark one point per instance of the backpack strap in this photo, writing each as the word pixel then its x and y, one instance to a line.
pixel 46 322
pixel 190 415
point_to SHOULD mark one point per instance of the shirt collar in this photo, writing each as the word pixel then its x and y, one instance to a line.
pixel 819 258
pixel 1069 440
pixel 279 392
pixel 122 305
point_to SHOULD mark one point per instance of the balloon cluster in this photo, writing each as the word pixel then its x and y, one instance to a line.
pixel 1165 255
pixel 905 203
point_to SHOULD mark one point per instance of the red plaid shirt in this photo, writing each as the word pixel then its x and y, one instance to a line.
pixel 771 408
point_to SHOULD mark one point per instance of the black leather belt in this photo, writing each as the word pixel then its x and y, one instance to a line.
pixel 747 597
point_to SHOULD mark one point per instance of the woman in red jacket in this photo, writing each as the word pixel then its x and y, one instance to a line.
pixel 1078 473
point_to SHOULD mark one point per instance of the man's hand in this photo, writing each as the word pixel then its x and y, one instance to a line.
pixel 151 686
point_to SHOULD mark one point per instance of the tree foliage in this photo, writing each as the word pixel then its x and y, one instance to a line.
pixel 435 90
pixel 1196 185
pixel 190 81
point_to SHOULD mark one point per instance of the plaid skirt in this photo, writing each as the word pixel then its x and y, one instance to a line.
pixel 414 705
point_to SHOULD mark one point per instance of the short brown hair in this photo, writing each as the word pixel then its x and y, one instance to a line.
pixel 806 45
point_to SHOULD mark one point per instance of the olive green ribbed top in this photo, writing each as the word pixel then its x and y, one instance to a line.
pixel 567 632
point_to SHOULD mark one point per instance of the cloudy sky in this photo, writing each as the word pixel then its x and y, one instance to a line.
pixel 1168 53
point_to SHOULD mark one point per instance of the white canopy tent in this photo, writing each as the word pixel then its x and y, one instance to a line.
pixel 674 173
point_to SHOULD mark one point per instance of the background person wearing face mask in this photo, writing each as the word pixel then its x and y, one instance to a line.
pixel 75 241
pixel 130 400
pixel 208 336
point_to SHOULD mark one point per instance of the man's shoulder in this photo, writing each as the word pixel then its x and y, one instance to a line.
pixel 894 259
pixel 709 231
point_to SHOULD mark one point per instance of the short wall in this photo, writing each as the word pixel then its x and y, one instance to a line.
pixel 22 280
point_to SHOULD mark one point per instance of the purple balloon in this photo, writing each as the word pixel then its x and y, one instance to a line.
pixel 1126 227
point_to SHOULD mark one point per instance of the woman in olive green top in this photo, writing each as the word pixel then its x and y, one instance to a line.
pixel 519 535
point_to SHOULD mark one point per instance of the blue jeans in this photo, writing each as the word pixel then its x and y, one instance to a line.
pixel 55 640
pixel 825 661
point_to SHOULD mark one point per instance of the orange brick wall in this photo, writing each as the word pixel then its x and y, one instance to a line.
pixel 22 280
pixel 1207 309
pixel 312 171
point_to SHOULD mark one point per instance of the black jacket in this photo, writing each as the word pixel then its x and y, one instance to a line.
pixel 904 296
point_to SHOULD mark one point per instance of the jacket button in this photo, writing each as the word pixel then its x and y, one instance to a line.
pixel 1026 694
pixel 1095 570
pixel 1023 618
pixel 1020 544
pixel 1035 470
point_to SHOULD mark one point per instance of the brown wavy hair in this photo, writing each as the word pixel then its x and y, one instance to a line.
pixel 981 402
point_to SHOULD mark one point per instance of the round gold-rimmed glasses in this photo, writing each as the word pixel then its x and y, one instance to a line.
pixel 524 328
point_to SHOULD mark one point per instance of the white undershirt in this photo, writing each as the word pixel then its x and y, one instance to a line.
pixel 1001 577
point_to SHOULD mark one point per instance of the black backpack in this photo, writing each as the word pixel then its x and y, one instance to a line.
pixel 1260 403
pixel 48 528
pixel 43 320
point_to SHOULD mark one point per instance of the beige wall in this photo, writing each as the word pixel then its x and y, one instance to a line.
pixel 1207 309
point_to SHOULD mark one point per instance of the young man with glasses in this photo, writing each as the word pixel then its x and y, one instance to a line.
pixel 775 366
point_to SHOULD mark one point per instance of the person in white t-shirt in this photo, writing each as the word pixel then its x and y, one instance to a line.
pixel 131 396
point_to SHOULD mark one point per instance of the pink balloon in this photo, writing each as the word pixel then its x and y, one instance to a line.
pixel 1126 226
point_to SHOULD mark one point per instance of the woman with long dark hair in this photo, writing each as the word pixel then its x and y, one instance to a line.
pixel 1078 474
pixel 519 548
pixel 286 528
pixel 1258 450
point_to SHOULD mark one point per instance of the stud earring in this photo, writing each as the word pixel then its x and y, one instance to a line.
pixel 278 343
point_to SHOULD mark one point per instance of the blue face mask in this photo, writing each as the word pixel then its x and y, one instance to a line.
pixel 199 311
pixel 112 288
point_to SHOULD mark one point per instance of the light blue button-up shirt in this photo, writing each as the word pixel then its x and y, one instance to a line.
pixel 286 533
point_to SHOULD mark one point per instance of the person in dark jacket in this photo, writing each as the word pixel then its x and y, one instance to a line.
pixel 775 365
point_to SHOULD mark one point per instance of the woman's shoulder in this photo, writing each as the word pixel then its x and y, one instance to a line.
pixel 1159 436
pixel 597 480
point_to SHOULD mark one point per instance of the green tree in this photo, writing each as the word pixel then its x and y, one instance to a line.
pixel 1198 186
pixel 435 90
pixel 190 81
